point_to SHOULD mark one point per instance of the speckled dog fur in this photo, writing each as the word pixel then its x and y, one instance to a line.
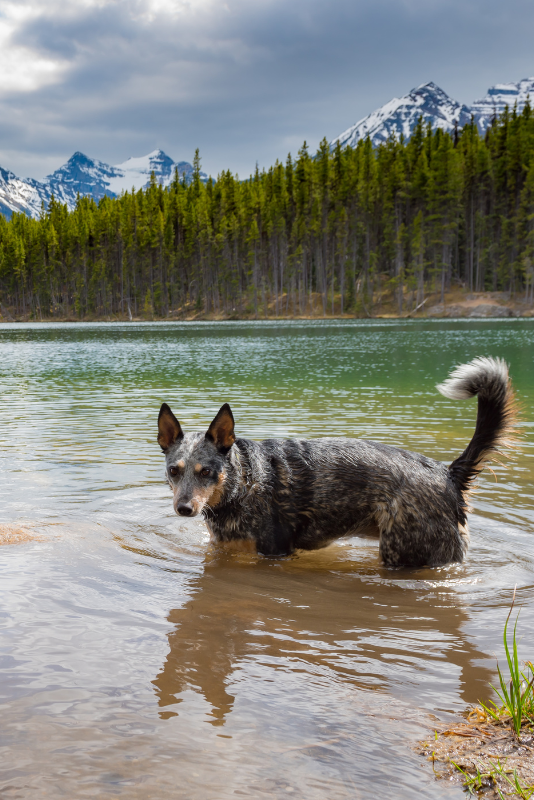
pixel 285 494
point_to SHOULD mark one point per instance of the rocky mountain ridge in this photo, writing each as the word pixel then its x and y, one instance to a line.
pixel 399 116
pixel 87 176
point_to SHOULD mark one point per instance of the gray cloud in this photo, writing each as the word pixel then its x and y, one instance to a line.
pixel 245 81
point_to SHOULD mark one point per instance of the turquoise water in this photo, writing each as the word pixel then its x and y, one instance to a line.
pixel 137 662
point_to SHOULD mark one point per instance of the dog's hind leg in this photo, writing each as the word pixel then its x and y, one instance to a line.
pixel 409 539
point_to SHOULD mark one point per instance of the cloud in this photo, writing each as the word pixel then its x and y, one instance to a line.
pixel 21 69
pixel 244 80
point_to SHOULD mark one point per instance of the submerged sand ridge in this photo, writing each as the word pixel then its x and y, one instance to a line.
pixel 18 534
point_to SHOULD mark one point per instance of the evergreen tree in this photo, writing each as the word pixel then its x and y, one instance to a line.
pixel 325 234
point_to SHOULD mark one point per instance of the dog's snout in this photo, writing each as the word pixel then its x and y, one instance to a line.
pixel 184 509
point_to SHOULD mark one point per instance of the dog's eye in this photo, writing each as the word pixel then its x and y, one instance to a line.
pixel 205 472
pixel 173 471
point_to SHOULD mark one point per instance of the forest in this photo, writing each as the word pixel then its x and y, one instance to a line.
pixel 331 233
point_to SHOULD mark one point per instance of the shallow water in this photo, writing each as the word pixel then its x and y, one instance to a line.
pixel 137 662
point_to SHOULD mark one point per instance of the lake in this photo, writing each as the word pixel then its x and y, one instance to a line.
pixel 138 662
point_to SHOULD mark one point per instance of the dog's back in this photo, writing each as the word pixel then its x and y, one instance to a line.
pixel 304 494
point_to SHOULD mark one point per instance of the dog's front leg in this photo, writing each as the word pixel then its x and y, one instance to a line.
pixel 275 537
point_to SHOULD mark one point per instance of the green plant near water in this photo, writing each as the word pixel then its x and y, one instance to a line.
pixel 516 696
pixel 517 705
pixel 473 783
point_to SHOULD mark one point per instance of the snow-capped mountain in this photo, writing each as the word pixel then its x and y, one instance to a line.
pixel 500 96
pixel 17 194
pixel 87 176
pixel 135 172
pixel 400 116
pixel 80 175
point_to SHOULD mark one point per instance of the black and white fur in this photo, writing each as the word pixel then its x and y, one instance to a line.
pixel 284 494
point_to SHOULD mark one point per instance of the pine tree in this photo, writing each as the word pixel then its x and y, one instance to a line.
pixel 322 234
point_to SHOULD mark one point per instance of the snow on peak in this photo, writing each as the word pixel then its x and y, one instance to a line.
pixel 500 96
pixel 82 175
pixel 84 172
pixel 145 162
pixel 135 172
pixel 400 116
pixel 18 195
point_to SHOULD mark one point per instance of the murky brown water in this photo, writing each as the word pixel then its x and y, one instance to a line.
pixel 136 662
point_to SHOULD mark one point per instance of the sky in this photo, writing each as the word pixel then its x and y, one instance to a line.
pixel 245 81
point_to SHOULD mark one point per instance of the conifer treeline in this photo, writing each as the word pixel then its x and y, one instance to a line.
pixel 325 234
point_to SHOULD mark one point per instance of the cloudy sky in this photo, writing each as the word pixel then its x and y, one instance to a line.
pixel 246 81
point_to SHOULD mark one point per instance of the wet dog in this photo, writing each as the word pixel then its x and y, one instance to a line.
pixel 287 494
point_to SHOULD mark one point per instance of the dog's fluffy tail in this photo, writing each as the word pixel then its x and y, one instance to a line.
pixel 487 378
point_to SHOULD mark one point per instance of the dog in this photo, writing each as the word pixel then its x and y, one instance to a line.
pixel 281 495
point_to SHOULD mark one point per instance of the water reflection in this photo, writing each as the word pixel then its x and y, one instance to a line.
pixel 365 626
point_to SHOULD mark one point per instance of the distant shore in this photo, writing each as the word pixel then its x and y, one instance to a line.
pixel 456 304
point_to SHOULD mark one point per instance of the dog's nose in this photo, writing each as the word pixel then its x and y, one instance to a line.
pixel 185 509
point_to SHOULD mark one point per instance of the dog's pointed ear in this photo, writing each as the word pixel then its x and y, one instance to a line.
pixel 221 430
pixel 169 429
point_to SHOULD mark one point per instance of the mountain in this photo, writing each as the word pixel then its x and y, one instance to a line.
pixel 87 176
pixel 80 175
pixel 17 194
pixel 500 96
pixel 400 116
pixel 136 171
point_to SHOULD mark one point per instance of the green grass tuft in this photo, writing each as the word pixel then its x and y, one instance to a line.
pixel 516 695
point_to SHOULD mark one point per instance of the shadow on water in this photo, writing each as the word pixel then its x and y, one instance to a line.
pixel 368 627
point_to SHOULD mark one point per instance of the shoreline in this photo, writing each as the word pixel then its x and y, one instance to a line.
pixel 458 304
pixel 120 320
